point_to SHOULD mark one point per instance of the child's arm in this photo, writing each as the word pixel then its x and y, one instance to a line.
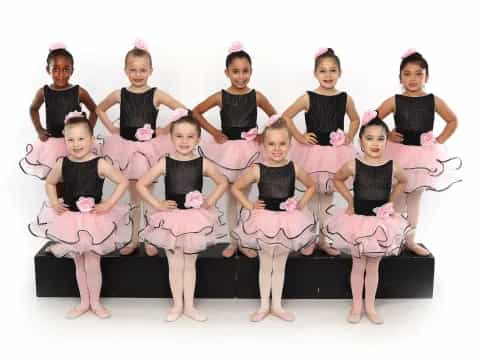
pixel 203 107
pixel 307 181
pixel 90 104
pixel 162 98
pixel 53 178
pixel 107 103
pixel 147 180
pixel 106 170
pixel 354 120
pixel 210 170
pixel 347 170
pixel 252 175
pixel 387 108
pixel 399 188
pixel 35 115
pixel 290 113
pixel 442 109
pixel 264 104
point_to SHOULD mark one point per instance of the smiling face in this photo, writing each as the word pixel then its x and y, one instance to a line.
pixel 185 137
pixel 79 141
pixel 239 72
pixel 60 69
pixel 276 143
pixel 138 69
pixel 373 141
pixel 327 73
pixel 413 77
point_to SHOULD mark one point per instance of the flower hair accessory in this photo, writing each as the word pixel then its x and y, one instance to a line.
pixel 272 120
pixel 178 114
pixel 140 44
pixel 250 134
pixel 144 133
pixel 56 46
pixel 289 205
pixel 194 199
pixel 384 211
pixel 337 138
pixel 427 138
pixel 73 114
pixel 320 52
pixel 368 116
pixel 85 204
pixel 236 47
pixel 408 53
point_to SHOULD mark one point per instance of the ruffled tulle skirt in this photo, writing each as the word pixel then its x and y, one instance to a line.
pixel 41 156
pixel 232 157
pixel 428 167
pixel 192 230
pixel 135 158
pixel 75 233
pixel 322 162
pixel 292 230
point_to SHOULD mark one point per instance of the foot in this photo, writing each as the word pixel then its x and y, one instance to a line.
pixel 129 249
pixel 354 317
pixel 77 311
pixel 327 248
pixel 248 252
pixel 174 314
pixel 194 314
pixel 374 317
pixel 229 251
pixel 101 311
pixel 308 250
pixel 150 250
pixel 283 314
pixel 259 315
pixel 418 249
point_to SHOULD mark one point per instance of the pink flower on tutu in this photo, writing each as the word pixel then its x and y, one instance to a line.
pixel 236 47
pixel 85 204
pixel 289 205
pixel 384 211
pixel 337 138
pixel 369 116
pixel 73 114
pixel 145 133
pixel 194 199
pixel 56 46
pixel 250 134
pixel 427 138
pixel 178 114
pixel 320 52
pixel 140 44
pixel 408 53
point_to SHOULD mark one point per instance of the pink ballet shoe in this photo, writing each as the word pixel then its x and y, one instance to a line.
pixel 101 311
pixel 196 315
pixel 173 315
pixel 129 249
pixel 374 317
pixel 259 315
pixel 284 315
pixel 418 249
pixel 328 249
pixel 77 311
pixel 229 251
pixel 354 318
pixel 308 250
pixel 248 252
pixel 150 250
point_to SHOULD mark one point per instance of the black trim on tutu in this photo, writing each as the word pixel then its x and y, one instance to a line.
pixel 29 149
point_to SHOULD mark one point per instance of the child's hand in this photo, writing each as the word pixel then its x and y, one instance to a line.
pixel 42 134
pixel 59 207
pixel 162 131
pixel 259 204
pixel 115 130
pixel 166 205
pixel 219 137
pixel 350 210
pixel 309 139
pixel 102 207
pixel 207 204
pixel 348 140
pixel 395 136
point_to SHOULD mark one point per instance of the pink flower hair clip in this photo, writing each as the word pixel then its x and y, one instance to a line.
pixel 72 115
pixel 272 120
pixel 408 53
pixel 178 114
pixel 368 116
pixel 194 199
pixel 236 47
pixel 140 44
pixel 320 52
pixel 85 204
pixel 56 46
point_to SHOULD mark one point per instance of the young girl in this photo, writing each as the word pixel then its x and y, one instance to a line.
pixel 60 98
pixel 412 143
pixel 324 147
pixel 138 144
pixel 83 226
pixel 185 223
pixel 368 227
pixel 235 147
pixel 276 223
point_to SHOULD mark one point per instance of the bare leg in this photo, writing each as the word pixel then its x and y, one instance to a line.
pixel 94 281
pixel 371 285
pixel 357 278
pixel 150 250
pixel 313 205
pixel 81 276
pixel 326 200
pixel 265 284
pixel 136 216
pixel 278 276
pixel 176 266
pixel 189 278
pixel 413 212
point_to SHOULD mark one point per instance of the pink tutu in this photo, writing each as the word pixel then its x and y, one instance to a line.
pixel 135 158
pixel 232 157
pixel 293 230
pixel 321 162
pixel 192 230
pixel 41 157
pixel 427 167
pixel 370 236
pixel 75 232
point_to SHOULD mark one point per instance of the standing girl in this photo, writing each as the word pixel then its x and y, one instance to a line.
pixel 368 228
pixel 412 143
pixel 185 223
pixel 235 146
pixel 138 144
pixel 83 226
pixel 276 223
pixel 324 147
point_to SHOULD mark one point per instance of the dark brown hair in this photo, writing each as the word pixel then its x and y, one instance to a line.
pixel 328 54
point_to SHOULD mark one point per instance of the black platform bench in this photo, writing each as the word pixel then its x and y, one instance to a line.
pixel 307 277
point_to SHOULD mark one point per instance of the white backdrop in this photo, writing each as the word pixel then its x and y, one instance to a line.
pixel 188 42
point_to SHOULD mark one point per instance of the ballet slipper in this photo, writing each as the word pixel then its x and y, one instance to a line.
pixel 283 314
pixel 194 314
pixel 259 315
pixel 248 252
pixel 229 251
pixel 327 248
pixel 150 250
pixel 417 249
pixel 77 311
pixel 129 249
pixel 308 250
pixel 173 315
pixel 354 318
pixel 374 317
pixel 101 311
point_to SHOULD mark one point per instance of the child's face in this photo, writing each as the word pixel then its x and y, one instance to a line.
pixel 79 141
pixel 373 141
pixel 239 72
pixel 138 70
pixel 60 69
pixel 327 73
pixel 413 77
pixel 185 137
pixel 276 144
